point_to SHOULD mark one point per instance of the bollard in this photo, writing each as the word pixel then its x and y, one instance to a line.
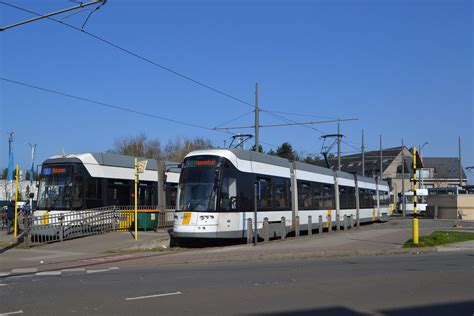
pixel 338 222
pixel 345 222
pixel 320 228
pixel 249 231
pixel 357 219
pixel 283 228
pixel 328 221
pixel 297 226
pixel 352 221
pixel 266 229
pixel 310 225
pixel 435 212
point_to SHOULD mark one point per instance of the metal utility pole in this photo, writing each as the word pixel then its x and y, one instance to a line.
pixel 362 147
pixel 33 153
pixel 10 165
pixel 381 158
pixel 257 123
pixel 339 147
pixel 460 165
pixel 404 205
pixel 80 6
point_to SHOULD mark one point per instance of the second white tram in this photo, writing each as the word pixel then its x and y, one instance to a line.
pixel 216 194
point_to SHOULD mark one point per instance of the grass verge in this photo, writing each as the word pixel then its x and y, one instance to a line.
pixel 439 238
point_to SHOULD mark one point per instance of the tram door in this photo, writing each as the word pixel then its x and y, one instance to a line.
pixel 118 193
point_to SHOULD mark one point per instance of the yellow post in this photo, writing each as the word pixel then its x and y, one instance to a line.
pixel 136 198
pixel 415 215
pixel 15 223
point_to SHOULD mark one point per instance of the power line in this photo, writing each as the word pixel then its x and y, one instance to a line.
pixel 234 119
pixel 306 115
pixel 121 108
pixel 134 55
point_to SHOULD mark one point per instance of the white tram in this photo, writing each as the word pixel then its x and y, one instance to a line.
pixel 216 194
pixel 95 180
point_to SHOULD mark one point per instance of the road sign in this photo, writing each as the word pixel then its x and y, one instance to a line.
pixel 141 166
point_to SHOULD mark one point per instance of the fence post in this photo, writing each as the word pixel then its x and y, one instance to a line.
pixel 338 222
pixel 352 221
pixel 328 219
pixel 61 228
pixel 435 216
pixel 283 227
pixel 266 230
pixel 27 230
pixel 249 230
pixel 114 218
pixel 320 228
pixel 345 222
pixel 357 219
pixel 310 225
pixel 297 226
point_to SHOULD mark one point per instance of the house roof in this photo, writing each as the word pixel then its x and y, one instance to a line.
pixel 444 167
pixel 353 163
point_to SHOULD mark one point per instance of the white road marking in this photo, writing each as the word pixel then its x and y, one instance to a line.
pixel 74 270
pixel 114 268
pixel 48 273
pixel 25 270
pixel 97 271
pixel 12 313
pixel 151 296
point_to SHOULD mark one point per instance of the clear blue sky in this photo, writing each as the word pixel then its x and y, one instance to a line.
pixel 404 68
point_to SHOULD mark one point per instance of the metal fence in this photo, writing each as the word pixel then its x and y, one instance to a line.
pixel 73 224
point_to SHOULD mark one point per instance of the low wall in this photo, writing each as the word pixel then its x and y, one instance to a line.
pixel 451 207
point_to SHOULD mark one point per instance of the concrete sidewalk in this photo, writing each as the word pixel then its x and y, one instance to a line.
pixel 76 249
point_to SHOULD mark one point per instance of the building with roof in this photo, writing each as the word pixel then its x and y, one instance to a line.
pixel 436 172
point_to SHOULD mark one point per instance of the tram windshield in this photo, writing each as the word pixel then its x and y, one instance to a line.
pixel 198 184
pixel 55 190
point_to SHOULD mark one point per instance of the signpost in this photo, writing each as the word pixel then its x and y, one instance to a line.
pixel 16 203
pixel 415 215
pixel 140 167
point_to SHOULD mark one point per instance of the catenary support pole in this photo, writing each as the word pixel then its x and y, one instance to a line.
pixel 362 148
pixel 404 204
pixel 136 198
pixel 15 229
pixel 257 121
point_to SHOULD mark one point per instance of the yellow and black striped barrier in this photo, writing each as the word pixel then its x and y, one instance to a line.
pixel 415 214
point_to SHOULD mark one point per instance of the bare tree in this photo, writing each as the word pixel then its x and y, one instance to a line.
pixel 177 149
pixel 138 146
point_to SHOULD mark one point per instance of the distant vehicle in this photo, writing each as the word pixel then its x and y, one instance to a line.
pixel 94 180
pixel 421 204
pixel 216 194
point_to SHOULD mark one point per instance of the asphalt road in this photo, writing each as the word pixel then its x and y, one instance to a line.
pixel 435 284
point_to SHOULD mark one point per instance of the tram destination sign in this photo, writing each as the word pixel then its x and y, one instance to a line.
pixel 197 163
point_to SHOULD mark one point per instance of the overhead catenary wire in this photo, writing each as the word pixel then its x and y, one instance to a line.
pixel 136 55
pixel 147 60
pixel 121 108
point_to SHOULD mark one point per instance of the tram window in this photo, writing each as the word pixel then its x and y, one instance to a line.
pixel 93 189
pixel 228 198
pixel 281 193
pixel 264 193
pixel 304 195
pixel 328 196
pixel 171 194
pixel 318 198
pixel 77 191
pixel 351 202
